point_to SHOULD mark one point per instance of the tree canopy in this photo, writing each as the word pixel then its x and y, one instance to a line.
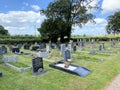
pixel 70 12
pixel 3 31
pixel 113 25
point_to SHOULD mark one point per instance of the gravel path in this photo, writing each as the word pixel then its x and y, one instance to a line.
pixel 114 85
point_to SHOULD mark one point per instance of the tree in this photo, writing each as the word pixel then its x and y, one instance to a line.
pixel 72 12
pixel 52 29
pixel 113 25
pixel 3 31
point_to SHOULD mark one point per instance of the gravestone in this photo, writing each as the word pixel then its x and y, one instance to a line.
pixel 11 59
pixel 62 51
pixel 74 48
pixel 4 49
pixel 101 47
pixel 19 46
pixel 43 54
pixel 71 45
pixel 0 74
pixel 35 48
pixel 42 46
pixel 15 50
pixel 37 66
pixel 92 51
pixel 67 55
pixel 1 52
pixel 47 48
pixel 10 47
pixel 27 46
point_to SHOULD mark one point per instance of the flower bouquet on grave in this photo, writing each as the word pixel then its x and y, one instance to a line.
pixel 67 63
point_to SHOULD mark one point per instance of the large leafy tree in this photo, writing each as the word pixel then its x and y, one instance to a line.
pixel 113 25
pixel 3 31
pixel 72 12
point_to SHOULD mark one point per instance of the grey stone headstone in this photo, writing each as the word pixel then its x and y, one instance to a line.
pixel 101 47
pixel 19 46
pixel 43 54
pixel 62 51
pixel 10 59
pixel 70 47
pixel 92 51
pixel 4 49
pixel 67 55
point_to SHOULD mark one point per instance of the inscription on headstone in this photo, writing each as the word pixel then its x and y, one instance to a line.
pixel 37 66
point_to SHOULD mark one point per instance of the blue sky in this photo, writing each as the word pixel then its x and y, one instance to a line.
pixel 23 17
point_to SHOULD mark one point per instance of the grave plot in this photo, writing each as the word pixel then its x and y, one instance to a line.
pixel 13 63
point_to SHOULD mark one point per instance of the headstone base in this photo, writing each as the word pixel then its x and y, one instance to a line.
pixel 0 74
pixel 40 73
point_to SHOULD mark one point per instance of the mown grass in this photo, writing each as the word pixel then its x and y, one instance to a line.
pixel 101 73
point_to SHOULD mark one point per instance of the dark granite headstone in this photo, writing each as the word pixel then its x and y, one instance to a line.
pixel 37 65
pixel 0 74
pixel 27 46
pixel 35 48
pixel 67 55
pixel 15 50
pixel 4 49
pixel 74 48
pixel 42 46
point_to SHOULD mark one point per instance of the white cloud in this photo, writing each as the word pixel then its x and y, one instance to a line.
pixel 110 6
pixel 35 7
pixel 21 21
pixel 91 28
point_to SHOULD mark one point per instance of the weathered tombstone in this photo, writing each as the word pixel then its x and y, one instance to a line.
pixel 4 49
pixel 81 45
pixel 0 74
pixel 53 45
pixel 26 46
pixel 62 51
pixel 67 55
pixel 74 48
pixel 37 66
pixel 11 59
pixel 19 46
pixel 43 54
pixel 47 48
pixel 35 48
pixel 15 50
pixel 10 47
pixel 92 51
pixel 101 47
pixel 42 46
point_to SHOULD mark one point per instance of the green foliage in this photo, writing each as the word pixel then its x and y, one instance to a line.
pixel 70 12
pixel 19 39
pixel 3 31
pixel 113 25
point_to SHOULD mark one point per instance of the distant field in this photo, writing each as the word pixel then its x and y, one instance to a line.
pixel 102 72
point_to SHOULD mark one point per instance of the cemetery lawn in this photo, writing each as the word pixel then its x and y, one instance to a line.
pixel 104 66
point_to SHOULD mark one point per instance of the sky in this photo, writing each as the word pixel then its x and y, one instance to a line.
pixel 22 17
